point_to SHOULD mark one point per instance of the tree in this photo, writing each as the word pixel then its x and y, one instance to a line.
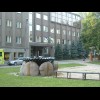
pixel 91 31
pixel 58 52
pixel 74 52
pixel 65 52
pixel 79 48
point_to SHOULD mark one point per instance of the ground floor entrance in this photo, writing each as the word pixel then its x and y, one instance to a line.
pixel 40 49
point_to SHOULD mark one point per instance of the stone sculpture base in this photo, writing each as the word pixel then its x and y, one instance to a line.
pixel 32 69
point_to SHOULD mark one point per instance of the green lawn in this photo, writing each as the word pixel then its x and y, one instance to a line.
pixel 8 80
pixel 70 65
pixel 95 62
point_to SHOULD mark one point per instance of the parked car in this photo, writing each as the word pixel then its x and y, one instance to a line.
pixel 17 61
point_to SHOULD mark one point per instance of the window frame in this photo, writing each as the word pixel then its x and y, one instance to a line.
pixel 38 27
pixel 45 17
pixel 38 15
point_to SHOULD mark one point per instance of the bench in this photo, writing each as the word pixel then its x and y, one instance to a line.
pixel 83 74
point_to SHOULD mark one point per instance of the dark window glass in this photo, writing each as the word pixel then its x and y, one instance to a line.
pixel 0 53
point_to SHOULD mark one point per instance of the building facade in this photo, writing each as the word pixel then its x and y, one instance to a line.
pixel 46 29
pixel 37 33
pixel 13 34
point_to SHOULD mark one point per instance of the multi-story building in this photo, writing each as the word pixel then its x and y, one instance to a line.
pixel 13 33
pixel 46 29
pixel 37 33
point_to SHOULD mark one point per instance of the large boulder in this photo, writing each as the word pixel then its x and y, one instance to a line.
pixel 34 69
pixel 46 69
pixel 22 68
pixel 29 69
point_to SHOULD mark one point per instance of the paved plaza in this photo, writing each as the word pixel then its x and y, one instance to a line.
pixel 88 68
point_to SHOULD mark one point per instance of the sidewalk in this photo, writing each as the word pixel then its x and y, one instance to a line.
pixel 88 68
pixel 73 61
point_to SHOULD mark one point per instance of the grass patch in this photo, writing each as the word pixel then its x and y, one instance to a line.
pixel 95 62
pixel 70 65
pixel 9 80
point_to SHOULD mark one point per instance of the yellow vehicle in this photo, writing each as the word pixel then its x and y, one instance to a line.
pixel 1 56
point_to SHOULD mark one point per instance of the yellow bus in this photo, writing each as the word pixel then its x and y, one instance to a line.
pixel 1 56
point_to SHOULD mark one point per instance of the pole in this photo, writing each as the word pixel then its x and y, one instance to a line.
pixel 26 39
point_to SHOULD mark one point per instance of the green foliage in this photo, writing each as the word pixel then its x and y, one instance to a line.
pixel 79 48
pixel 74 52
pixel 58 52
pixel 70 65
pixel 91 31
pixel 65 52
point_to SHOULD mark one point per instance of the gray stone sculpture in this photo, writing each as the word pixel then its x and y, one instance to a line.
pixel 46 69
pixel 29 69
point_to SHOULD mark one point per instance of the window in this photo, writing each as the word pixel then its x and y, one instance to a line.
pixel 30 22
pixel 59 20
pixel 59 13
pixel 69 15
pixel 69 33
pixel 38 39
pixel 64 21
pixel 51 40
pixel 19 12
pixel 52 30
pixel 38 15
pixel 64 32
pixel 45 17
pixel 19 25
pixel 8 39
pixel 59 16
pixel 63 17
pixel 0 21
pixel 30 18
pixel 69 42
pixel 53 14
pixel 18 40
pixel 73 34
pixel 9 24
pixel 45 28
pixel 45 39
pixel 58 31
pixel 78 34
pixel 63 41
pixel 46 50
pixel 70 23
pixel 63 13
pixel 38 27
pixel 58 41
pixel 30 36
pixel 30 33
pixel 53 18
pixel 73 16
